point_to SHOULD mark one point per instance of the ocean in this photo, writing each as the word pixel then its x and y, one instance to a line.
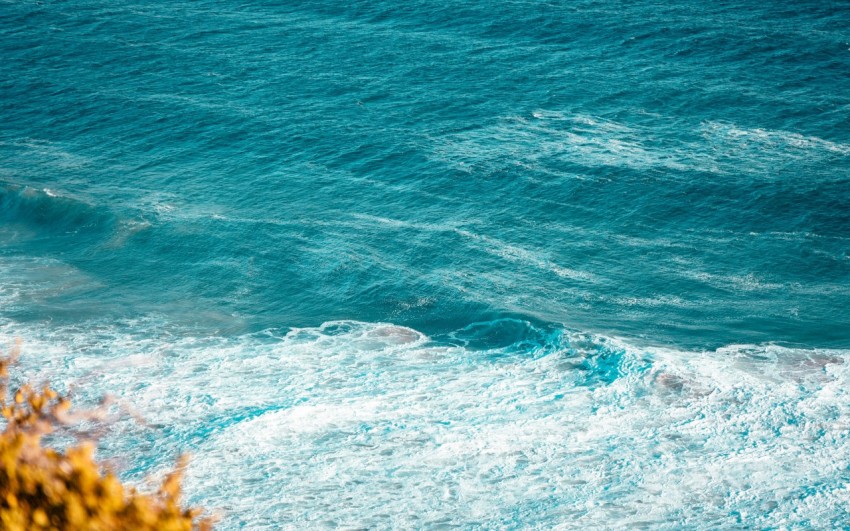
pixel 479 264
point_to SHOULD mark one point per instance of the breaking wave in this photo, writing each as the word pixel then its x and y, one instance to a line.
pixel 378 425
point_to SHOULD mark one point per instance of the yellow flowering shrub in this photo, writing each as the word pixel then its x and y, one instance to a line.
pixel 42 488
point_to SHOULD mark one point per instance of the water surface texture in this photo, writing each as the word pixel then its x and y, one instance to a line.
pixel 423 264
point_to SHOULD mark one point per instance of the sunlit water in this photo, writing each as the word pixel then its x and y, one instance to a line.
pixel 424 264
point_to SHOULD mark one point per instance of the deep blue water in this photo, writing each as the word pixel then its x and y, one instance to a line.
pixel 480 263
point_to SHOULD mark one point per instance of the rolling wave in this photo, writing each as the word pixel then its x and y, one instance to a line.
pixel 51 212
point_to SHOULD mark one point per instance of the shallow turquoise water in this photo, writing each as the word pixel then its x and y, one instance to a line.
pixel 482 263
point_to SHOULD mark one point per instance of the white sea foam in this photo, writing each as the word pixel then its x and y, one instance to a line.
pixel 748 282
pixel 524 256
pixel 376 425
pixel 55 154
pixel 557 137
pixel 774 139
pixel 554 137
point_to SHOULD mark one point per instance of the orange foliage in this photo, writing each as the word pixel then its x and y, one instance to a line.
pixel 41 488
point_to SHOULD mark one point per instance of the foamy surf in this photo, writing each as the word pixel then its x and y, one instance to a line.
pixel 355 424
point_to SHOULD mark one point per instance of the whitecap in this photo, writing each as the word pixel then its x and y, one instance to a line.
pixel 378 425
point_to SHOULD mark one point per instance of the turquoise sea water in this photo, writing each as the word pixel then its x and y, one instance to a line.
pixel 420 264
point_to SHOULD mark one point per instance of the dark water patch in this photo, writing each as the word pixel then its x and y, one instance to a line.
pixel 52 214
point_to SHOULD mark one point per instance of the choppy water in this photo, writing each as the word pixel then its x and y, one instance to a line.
pixel 493 264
